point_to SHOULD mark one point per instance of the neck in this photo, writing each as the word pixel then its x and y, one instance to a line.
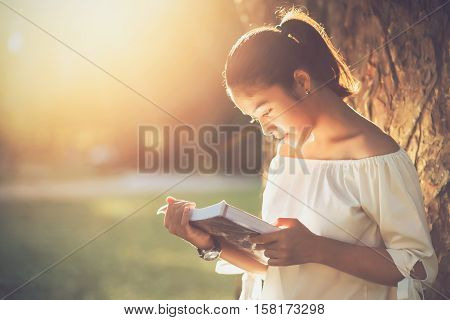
pixel 334 120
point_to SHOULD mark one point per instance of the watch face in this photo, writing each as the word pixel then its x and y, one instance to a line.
pixel 211 255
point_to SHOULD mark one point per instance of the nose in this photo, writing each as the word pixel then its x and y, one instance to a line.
pixel 268 129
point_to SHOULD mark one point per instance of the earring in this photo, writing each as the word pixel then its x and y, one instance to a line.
pixel 307 91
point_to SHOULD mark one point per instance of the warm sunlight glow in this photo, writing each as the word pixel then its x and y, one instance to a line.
pixel 65 95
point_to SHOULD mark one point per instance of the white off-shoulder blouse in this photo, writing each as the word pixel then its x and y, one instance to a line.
pixel 375 201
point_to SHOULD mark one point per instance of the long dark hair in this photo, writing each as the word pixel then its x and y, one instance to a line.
pixel 269 55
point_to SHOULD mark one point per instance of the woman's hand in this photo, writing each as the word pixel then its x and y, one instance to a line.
pixel 290 246
pixel 176 220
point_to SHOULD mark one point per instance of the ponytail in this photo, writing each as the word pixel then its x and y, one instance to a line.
pixel 269 55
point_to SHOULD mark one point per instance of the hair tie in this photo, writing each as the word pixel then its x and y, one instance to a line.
pixel 279 27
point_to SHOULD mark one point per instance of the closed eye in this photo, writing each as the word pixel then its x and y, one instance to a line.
pixel 262 116
pixel 267 113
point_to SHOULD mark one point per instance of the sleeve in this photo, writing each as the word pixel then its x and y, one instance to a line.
pixel 391 195
pixel 251 283
pixel 225 267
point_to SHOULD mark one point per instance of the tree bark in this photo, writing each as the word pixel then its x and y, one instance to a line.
pixel 401 58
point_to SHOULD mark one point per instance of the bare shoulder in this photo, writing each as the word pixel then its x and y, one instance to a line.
pixel 374 142
pixel 364 140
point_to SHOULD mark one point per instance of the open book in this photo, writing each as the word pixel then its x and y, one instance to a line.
pixel 232 224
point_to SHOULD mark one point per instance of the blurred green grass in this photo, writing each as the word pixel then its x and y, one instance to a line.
pixel 138 259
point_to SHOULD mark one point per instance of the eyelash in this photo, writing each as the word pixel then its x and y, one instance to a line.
pixel 264 115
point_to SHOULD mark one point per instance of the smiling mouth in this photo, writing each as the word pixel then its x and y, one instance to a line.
pixel 278 135
pixel 276 132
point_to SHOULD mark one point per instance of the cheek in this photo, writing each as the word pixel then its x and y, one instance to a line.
pixel 294 127
pixel 295 119
pixel 285 122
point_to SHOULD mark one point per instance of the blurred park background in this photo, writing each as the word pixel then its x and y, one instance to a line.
pixel 68 144
pixel 75 82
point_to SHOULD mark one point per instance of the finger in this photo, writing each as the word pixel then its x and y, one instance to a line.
pixel 265 238
pixel 273 254
pixel 271 245
pixel 179 203
pixel 287 222
pixel 183 210
pixel 173 211
pixel 185 218
pixel 276 262
pixel 191 204
pixel 170 217
pixel 178 214
pixel 170 199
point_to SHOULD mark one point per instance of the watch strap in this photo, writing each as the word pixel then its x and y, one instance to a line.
pixel 216 248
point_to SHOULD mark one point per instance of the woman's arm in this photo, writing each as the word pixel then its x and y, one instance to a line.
pixel 241 258
pixel 373 264
pixel 297 245
pixel 176 220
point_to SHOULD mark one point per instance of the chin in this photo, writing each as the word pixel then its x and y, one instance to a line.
pixel 291 141
pixel 277 135
pixel 292 144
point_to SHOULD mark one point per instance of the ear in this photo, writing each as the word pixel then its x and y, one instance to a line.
pixel 302 81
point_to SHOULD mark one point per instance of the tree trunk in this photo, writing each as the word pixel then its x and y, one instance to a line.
pixel 404 86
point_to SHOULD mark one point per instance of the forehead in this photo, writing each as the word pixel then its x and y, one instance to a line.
pixel 247 101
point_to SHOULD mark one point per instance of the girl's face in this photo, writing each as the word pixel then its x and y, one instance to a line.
pixel 279 114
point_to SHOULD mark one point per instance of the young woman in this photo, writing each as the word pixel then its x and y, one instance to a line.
pixel 346 194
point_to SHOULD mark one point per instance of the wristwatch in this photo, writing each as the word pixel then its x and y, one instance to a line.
pixel 210 254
